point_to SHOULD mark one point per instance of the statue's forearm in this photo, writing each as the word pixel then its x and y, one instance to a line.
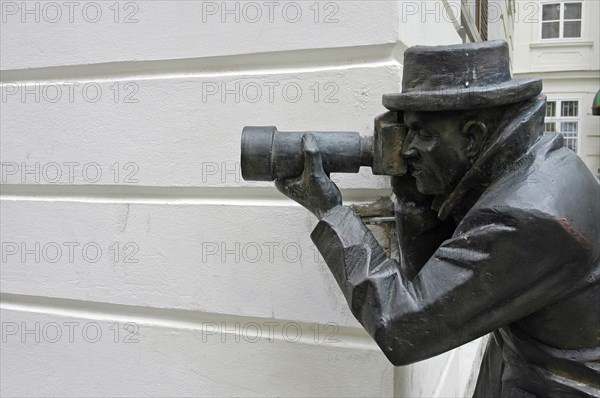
pixel 412 319
pixel 365 274
pixel 391 307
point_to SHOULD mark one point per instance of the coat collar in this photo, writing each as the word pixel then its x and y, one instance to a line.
pixel 520 128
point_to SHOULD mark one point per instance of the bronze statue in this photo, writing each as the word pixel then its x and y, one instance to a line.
pixel 498 225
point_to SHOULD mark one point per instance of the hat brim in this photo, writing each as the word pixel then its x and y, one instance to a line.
pixel 473 97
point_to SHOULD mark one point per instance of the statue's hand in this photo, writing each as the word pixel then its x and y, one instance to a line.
pixel 313 189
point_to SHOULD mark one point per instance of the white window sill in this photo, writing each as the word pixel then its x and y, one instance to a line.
pixel 562 44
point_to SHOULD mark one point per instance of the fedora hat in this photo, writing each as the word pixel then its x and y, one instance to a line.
pixel 459 77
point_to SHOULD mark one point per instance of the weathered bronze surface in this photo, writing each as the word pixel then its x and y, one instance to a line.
pixel 498 225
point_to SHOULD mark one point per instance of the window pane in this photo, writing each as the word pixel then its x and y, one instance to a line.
pixel 550 108
pixel 573 11
pixel 551 12
pixel 572 29
pixel 568 128
pixel 569 108
pixel 569 132
pixel 550 127
pixel 550 30
pixel 571 143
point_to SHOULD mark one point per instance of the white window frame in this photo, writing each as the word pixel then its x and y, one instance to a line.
pixel 561 21
pixel 558 118
pixel 467 11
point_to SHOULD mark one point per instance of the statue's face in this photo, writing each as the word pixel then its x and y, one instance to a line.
pixel 436 150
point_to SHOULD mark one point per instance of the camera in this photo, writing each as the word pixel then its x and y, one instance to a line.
pixel 268 154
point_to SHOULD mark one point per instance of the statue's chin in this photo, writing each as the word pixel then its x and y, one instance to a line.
pixel 423 188
pixel 427 189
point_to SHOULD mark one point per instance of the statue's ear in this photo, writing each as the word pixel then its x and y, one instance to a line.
pixel 476 132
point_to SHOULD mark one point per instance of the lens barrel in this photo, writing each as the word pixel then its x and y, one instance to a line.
pixel 268 154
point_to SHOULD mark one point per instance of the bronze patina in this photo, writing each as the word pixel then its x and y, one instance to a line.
pixel 497 223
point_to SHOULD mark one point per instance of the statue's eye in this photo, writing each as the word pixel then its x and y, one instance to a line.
pixel 425 135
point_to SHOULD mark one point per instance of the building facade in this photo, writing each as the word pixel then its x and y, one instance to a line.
pixel 559 42
pixel 135 259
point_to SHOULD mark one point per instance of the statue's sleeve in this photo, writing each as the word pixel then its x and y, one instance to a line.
pixel 499 266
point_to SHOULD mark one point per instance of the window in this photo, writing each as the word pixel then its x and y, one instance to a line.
pixel 562 116
pixel 561 20
pixel 481 18
pixel 474 19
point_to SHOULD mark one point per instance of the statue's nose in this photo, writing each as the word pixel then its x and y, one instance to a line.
pixel 408 149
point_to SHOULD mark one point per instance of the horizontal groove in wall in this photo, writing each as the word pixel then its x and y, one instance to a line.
pixel 168 318
pixel 258 63
pixel 169 195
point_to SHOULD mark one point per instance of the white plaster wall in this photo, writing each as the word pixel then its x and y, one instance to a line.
pixel 135 260
pixel 501 22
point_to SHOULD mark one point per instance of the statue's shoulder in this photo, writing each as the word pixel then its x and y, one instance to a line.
pixel 550 178
pixel 551 189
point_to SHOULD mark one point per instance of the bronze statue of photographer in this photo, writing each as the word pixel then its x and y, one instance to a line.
pixel 498 227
